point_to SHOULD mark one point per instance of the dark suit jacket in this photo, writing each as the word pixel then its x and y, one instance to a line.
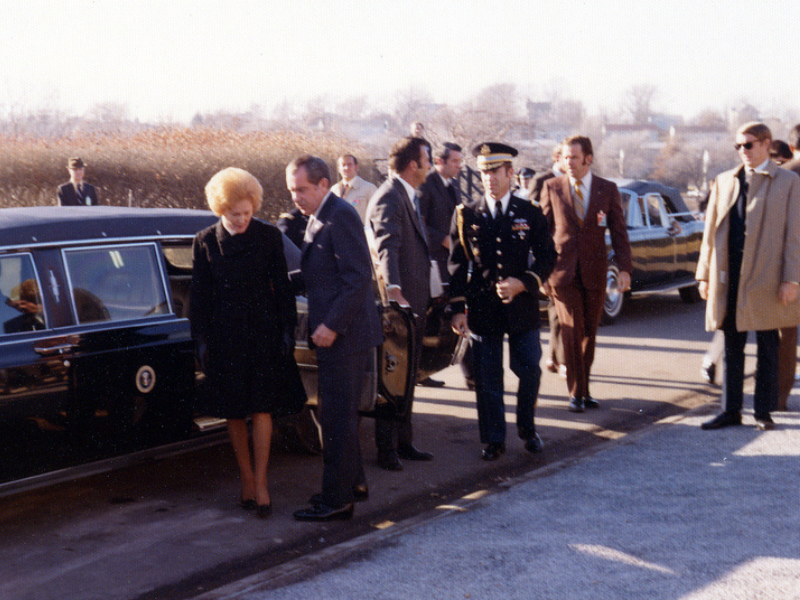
pixel 401 245
pixel 338 278
pixel 436 205
pixel 537 183
pixel 293 225
pixel 585 244
pixel 67 196
pixel 485 251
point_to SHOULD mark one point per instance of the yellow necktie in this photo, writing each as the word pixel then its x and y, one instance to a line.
pixel 579 200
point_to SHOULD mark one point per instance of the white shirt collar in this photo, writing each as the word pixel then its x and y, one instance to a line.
pixel 586 183
pixel 762 168
pixel 314 224
pixel 410 190
pixel 503 201
pixel 445 181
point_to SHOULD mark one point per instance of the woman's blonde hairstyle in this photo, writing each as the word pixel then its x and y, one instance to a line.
pixel 230 186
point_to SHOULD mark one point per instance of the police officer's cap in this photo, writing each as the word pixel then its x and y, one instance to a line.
pixel 491 155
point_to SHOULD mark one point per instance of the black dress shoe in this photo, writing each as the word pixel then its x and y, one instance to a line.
pixel 408 452
pixel 323 512
pixel 263 511
pixel 765 423
pixel 493 451
pixel 389 461
pixel 249 504
pixel 428 382
pixel 590 402
pixel 360 492
pixel 725 419
pixel 534 444
pixel 576 405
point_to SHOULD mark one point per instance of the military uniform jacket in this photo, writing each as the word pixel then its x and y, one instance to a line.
pixel 485 251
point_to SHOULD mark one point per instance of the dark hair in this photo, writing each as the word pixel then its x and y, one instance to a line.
pixel 406 151
pixel 316 168
pixel 343 156
pixel 447 148
pixel 780 149
pixel 794 136
pixel 584 142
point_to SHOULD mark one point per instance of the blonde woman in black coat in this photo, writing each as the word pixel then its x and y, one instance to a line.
pixel 243 317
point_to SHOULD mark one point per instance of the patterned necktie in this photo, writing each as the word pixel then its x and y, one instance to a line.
pixel 579 208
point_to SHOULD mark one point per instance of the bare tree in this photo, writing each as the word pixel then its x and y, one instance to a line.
pixel 638 101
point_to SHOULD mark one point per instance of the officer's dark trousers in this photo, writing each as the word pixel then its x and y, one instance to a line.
pixel 525 353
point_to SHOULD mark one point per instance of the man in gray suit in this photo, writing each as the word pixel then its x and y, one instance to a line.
pixel 403 263
pixel 438 197
pixel 345 329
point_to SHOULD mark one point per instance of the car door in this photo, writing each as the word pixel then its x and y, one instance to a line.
pixel 661 245
pixel 34 377
pixel 132 359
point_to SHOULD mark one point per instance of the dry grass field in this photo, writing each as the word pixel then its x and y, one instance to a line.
pixel 165 167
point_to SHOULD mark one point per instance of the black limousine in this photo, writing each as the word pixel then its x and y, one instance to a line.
pixel 94 334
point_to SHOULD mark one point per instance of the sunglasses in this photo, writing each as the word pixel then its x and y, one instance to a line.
pixel 746 146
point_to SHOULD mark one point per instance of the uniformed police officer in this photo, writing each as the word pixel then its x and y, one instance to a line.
pixel 501 253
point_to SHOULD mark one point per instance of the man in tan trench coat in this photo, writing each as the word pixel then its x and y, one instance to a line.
pixel 749 269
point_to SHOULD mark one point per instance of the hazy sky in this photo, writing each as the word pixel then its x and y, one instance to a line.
pixel 173 58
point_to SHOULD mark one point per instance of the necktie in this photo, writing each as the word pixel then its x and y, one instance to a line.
pixel 748 179
pixel 579 208
pixel 345 187
pixel 498 209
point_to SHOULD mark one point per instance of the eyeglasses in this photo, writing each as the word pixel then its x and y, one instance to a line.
pixel 746 146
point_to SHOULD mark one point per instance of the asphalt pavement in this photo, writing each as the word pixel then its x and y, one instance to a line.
pixel 671 512
pixel 629 501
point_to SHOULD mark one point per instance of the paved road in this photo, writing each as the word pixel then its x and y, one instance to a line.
pixel 670 513
pixel 171 528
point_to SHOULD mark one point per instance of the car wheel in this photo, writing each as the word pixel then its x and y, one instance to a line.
pixel 690 294
pixel 612 306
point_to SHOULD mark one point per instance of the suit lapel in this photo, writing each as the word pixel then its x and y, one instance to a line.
pixel 409 206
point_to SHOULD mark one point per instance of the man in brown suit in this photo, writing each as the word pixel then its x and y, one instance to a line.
pixel 579 208
pixel 749 269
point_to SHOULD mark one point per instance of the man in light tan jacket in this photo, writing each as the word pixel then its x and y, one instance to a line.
pixel 749 269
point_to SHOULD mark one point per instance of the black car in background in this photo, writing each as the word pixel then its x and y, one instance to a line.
pixel 665 241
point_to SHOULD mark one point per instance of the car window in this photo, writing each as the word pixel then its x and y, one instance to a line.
pixel 654 210
pixel 21 307
pixel 115 283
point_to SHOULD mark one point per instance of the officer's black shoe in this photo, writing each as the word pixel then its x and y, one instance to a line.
pixel 493 451
pixel 534 444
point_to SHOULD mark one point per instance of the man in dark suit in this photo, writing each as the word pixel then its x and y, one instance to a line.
pixel 76 192
pixel 345 329
pixel 438 197
pixel 494 281
pixel 579 207
pixel 403 264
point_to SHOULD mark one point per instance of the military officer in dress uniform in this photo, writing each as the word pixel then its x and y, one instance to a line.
pixel 501 252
